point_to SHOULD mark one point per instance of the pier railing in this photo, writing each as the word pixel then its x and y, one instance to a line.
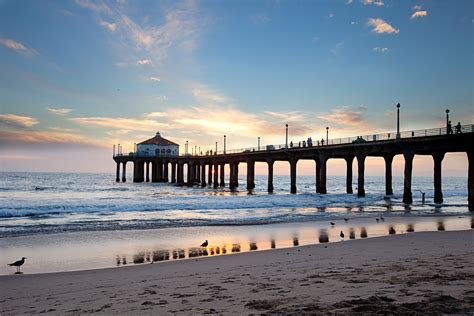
pixel 335 141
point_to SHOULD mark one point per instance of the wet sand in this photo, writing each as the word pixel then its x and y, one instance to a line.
pixel 75 251
pixel 425 272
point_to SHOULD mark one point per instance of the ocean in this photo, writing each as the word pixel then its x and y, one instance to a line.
pixel 89 220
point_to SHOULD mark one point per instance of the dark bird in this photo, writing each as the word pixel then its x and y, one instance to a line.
pixel 204 244
pixel 332 224
pixel 352 235
pixel 18 264
pixel 382 219
pixel 346 219
pixel 377 220
pixel 342 235
pixel 392 231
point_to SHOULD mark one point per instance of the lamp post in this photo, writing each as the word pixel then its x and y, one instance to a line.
pixel 199 151
pixel 186 148
pixel 398 120
pixel 118 149
pixel 447 121
pixel 113 151
pixel 258 147
pixel 286 143
pixel 134 147
pixel 195 149
pixel 327 135
pixel 216 149
pixel 224 143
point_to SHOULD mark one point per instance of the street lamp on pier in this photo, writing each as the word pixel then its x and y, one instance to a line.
pixel 186 148
pixel 258 147
pixel 216 149
pixel 447 121
pixel 398 120
pixel 286 143
pixel 224 143
pixel 327 135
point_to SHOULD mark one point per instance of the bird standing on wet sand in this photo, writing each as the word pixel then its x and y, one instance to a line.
pixel 332 223
pixel 342 235
pixel 204 244
pixel 18 264
pixel 346 219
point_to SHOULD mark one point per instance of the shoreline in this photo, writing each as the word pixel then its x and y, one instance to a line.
pixel 91 250
pixel 390 272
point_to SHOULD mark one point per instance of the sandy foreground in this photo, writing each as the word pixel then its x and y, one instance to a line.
pixel 427 272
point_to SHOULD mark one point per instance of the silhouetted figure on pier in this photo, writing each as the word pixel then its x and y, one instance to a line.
pixel 204 244
pixel 291 144
pixel 18 265
pixel 458 128
pixel 449 128
pixel 322 141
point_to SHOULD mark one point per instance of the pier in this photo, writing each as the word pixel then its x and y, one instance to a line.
pixel 208 170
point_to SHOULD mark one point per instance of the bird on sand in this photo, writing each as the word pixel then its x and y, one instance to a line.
pixel 18 264
pixel 204 244
pixel 346 219
pixel 377 220
pixel 382 219
pixel 332 224
pixel 342 235
pixel 392 231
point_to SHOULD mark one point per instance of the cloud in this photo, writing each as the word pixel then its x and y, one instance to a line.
pixel 153 79
pixel 381 27
pixel 418 14
pixel 378 3
pixel 62 129
pixel 110 26
pixel 417 8
pixel 58 111
pixel 380 49
pixel 337 48
pixel 30 137
pixel 17 121
pixel 133 124
pixel 156 114
pixel 348 1
pixel 17 46
pixel 331 15
pixel 259 19
pixel 206 95
pixel 345 116
pixel 142 62
pixel 177 29
pixel 354 23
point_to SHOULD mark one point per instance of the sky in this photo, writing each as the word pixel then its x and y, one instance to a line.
pixel 77 77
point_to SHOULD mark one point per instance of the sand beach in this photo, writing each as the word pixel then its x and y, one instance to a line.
pixel 425 272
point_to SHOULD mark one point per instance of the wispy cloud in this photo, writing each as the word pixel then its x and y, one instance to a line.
pixel 142 62
pixel 259 19
pixel 134 124
pixel 177 30
pixel 156 114
pixel 17 46
pixel 17 121
pixel 419 14
pixel 349 2
pixel 337 48
pixel 380 49
pixel 20 138
pixel 58 111
pixel 381 27
pixel 206 95
pixel 345 116
pixel 378 3
pixel 157 79
pixel 110 26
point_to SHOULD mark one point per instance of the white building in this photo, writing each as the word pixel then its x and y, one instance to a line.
pixel 157 146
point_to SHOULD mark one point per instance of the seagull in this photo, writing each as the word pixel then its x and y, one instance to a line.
pixel 352 235
pixel 342 235
pixel 204 244
pixel 382 219
pixel 346 219
pixel 392 231
pixel 18 264
pixel 377 220
pixel 332 224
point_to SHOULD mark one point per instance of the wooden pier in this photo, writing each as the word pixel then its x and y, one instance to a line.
pixel 208 170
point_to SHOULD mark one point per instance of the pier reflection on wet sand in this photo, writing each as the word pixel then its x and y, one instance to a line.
pixel 332 233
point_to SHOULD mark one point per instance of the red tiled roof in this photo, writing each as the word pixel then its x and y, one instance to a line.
pixel 157 140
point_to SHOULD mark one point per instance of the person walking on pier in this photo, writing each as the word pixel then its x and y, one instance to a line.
pixel 458 128
pixel 450 128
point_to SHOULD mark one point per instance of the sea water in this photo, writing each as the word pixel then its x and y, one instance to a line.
pixel 90 221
